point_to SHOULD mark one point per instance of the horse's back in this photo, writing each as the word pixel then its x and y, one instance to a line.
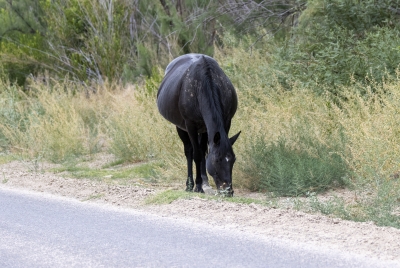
pixel 182 80
pixel 184 60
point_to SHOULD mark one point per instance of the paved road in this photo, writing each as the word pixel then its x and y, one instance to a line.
pixel 38 230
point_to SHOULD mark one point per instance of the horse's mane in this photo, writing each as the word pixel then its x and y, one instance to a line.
pixel 212 92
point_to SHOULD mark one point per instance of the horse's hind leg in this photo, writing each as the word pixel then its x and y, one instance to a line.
pixel 188 148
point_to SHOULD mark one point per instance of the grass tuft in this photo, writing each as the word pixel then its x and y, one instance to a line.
pixel 147 171
pixel 168 196
pixel 290 171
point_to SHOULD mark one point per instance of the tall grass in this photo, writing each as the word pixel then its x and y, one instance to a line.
pixel 43 122
pixel 64 121
pixel 371 123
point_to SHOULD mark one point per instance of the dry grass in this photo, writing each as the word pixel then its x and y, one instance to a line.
pixel 47 124
pixel 372 127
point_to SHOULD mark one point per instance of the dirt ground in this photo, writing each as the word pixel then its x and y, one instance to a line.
pixel 316 230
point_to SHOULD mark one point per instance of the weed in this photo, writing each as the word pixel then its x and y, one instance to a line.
pixel 147 171
pixel 168 196
pixel 5 180
pixel 114 163
pixel 94 196
pixel 379 207
pixel 5 158
pixel 278 168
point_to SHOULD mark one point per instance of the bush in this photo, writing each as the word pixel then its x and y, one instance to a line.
pixel 279 168
pixel 337 40
pixel 94 41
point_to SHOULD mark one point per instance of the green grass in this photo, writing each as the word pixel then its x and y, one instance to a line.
pixel 169 196
pixel 4 179
pixel 114 163
pixel 6 158
pixel 147 171
pixel 287 171
pixel 380 205
pixel 244 200
pixel 95 196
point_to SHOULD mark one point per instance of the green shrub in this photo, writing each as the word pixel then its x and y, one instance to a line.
pixel 22 40
pixel 340 40
pixel 378 203
pixel 289 171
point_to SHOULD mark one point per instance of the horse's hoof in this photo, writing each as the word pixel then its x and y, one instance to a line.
pixel 208 189
pixel 198 189
pixel 189 185
pixel 189 188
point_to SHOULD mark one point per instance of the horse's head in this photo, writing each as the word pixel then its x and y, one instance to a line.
pixel 219 162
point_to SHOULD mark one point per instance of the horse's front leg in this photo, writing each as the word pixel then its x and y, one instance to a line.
pixel 199 180
pixel 189 158
pixel 203 140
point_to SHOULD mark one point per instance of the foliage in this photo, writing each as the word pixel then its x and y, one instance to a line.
pixel 89 39
pixel 143 171
pixel 379 204
pixel 249 16
pixel 22 31
pixel 92 40
pixel 339 39
pixel 286 171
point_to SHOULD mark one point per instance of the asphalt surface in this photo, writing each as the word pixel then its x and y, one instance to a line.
pixel 39 230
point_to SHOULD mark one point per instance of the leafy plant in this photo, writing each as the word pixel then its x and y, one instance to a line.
pixel 278 168
pixel 380 205
pixel 337 41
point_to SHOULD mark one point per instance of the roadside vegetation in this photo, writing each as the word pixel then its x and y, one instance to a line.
pixel 319 93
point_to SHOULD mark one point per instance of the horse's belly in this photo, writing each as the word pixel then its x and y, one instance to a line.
pixel 170 107
pixel 167 104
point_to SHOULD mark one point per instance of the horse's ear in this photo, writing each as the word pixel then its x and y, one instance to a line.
pixel 217 138
pixel 234 138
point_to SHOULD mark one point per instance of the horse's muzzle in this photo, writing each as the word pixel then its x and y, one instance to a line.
pixel 226 190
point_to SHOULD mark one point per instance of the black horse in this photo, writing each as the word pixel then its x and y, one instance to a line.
pixel 199 99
